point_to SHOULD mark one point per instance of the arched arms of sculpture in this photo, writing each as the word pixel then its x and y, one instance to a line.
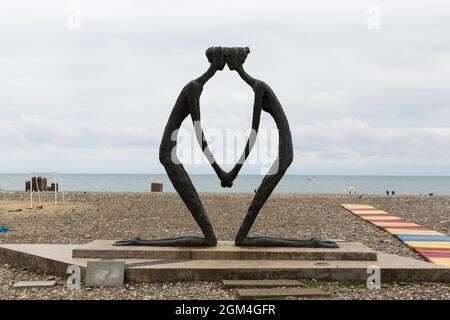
pixel 194 109
pixel 256 119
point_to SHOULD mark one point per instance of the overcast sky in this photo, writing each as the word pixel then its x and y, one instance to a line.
pixel 364 93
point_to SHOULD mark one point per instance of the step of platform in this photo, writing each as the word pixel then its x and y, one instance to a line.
pixel 251 284
pixel 280 293
pixel 34 284
pixel 225 250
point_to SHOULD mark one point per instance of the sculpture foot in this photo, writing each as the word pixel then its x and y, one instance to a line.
pixel 175 242
pixel 279 242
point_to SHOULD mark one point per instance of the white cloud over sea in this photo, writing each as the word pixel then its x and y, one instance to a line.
pixel 96 99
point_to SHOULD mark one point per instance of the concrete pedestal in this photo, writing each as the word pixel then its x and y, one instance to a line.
pixel 225 250
pixel 210 265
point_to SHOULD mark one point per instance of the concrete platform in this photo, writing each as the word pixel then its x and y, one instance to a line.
pixel 55 258
pixel 225 250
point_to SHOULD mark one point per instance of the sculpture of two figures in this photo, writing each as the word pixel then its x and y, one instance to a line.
pixel 187 105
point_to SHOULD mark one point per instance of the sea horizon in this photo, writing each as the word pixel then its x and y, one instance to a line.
pixel 243 174
pixel 302 183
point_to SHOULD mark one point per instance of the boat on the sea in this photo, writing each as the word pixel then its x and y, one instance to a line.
pixel 352 190
pixel 311 179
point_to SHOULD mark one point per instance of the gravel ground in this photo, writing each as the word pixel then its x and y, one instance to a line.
pixel 206 290
pixel 89 216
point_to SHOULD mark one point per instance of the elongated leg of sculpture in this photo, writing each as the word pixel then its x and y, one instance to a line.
pixel 271 105
pixel 183 185
pixel 262 194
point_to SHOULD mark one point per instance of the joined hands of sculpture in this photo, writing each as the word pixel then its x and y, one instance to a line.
pixel 188 104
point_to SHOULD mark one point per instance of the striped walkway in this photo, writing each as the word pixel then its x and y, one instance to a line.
pixel 432 245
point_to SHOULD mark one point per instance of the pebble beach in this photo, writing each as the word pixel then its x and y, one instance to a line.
pixel 87 216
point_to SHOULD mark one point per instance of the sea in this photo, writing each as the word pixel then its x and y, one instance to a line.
pixel 411 185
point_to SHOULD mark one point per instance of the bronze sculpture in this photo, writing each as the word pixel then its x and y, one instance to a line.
pixel 188 104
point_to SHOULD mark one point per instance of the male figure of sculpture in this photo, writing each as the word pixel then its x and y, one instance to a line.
pixel 186 105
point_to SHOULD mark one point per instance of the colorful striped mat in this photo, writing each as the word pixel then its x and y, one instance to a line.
pixel 432 245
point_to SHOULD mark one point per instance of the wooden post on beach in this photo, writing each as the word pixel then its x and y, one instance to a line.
pixel 38 186
pixel 31 190
pixel 55 190
pixel 156 187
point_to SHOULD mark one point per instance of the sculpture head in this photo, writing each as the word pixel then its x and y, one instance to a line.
pixel 236 56
pixel 216 56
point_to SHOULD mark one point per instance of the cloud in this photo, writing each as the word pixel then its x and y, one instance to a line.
pixel 37 131
pixel 355 147
pixel 358 100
